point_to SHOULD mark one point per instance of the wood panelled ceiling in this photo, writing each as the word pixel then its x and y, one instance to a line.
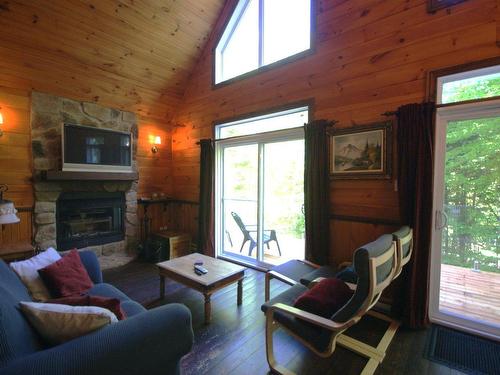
pixel 131 54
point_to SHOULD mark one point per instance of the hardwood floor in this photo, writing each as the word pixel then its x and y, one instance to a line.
pixel 234 342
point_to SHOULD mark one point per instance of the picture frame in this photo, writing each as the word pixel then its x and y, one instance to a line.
pixel 435 5
pixel 362 152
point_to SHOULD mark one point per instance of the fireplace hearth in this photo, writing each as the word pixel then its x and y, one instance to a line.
pixel 89 218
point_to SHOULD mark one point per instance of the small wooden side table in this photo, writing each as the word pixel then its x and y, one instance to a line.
pixel 220 274
pixel 16 251
pixel 179 244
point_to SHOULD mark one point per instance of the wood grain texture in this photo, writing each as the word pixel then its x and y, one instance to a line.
pixel 370 57
pixel 131 55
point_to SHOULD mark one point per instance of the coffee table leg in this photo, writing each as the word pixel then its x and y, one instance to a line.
pixel 208 308
pixel 162 286
pixel 240 291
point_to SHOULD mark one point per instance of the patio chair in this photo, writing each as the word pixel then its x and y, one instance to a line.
pixel 375 265
pixel 249 232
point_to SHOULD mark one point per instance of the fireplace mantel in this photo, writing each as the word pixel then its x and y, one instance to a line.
pixel 89 176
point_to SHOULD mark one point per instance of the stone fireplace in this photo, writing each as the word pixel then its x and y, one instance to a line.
pixel 96 214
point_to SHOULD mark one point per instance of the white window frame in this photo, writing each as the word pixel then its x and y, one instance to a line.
pixel 261 139
pixel 228 34
pixel 454 111
pixel 442 80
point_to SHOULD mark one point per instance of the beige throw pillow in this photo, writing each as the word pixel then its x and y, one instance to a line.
pixel 59 323
pixel 27 270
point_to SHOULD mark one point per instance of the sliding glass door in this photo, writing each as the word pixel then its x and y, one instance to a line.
pixel 260 188
pixel 465 267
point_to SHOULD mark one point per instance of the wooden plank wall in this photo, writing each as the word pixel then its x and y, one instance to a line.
pixel 15 162
pixel 371 56
pixel 175 216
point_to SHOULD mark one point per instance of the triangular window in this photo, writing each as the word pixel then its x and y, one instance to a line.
pixel 261 32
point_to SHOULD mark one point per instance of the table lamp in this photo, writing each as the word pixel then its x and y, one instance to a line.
pixel 7 210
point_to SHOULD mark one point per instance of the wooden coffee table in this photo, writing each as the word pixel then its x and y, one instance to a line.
pixel 220 274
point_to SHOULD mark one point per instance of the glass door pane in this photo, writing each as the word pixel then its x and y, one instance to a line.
pixel 239 200
pixel 470 242
pixel 283 236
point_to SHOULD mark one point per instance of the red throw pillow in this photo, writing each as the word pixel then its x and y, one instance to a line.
pixel 325 298
pixel 112 304
pixel 66 277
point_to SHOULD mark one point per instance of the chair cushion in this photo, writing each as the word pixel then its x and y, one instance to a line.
pixel 112 304
pixel 66 277
pixel 17 338
pixel 318 337
pixel 362 258
pixel 325 298
pixel 401 233
pixel 293 269
pixel 108 290
pixel 27 270
pixel 60 323
pixel 348 275
pixel 323 271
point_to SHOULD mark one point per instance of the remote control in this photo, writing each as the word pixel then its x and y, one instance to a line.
pixel 199 273
pixel 201 269
pixel 198 263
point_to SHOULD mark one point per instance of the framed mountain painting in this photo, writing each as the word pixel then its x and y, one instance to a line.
pixel 361 151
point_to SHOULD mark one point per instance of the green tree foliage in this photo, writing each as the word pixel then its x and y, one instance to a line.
pixel 472 181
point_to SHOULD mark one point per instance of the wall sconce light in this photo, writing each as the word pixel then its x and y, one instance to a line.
pixel 7 210
pixel 156 143
pixel 1 122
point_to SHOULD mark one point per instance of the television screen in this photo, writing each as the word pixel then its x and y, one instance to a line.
pixel 93 149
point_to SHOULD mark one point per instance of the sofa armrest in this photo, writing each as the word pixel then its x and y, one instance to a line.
pixel 91 264
pixel 152 342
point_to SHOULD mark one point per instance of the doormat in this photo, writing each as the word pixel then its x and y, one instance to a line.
pixel 461 351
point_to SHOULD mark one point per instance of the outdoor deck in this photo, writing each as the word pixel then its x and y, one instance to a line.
pixel 473 294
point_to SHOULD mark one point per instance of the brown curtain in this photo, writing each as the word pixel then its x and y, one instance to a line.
pixel 316 192
pixel 206 238
pixel 415 155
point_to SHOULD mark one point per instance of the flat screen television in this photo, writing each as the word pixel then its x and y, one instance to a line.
pixel 88 149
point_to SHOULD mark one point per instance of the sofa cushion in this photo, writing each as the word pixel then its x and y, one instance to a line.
pixel 108 290
pixel 131 308
pixel 325 298
pixel 27 270
pixel 60 323
pixel 17 338
pixel 66 277
pixel 112 304
pixel 91 264
pixel 10 281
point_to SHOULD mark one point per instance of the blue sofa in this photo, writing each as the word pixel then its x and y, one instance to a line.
pixel 147 342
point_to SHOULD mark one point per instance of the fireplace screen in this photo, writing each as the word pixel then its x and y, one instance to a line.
pixel 89 219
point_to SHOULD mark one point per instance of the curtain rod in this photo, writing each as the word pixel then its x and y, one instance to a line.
pixel 330 124
pixel 390 113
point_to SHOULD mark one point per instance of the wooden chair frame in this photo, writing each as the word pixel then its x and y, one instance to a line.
pixel 276 275
pixel 375 354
